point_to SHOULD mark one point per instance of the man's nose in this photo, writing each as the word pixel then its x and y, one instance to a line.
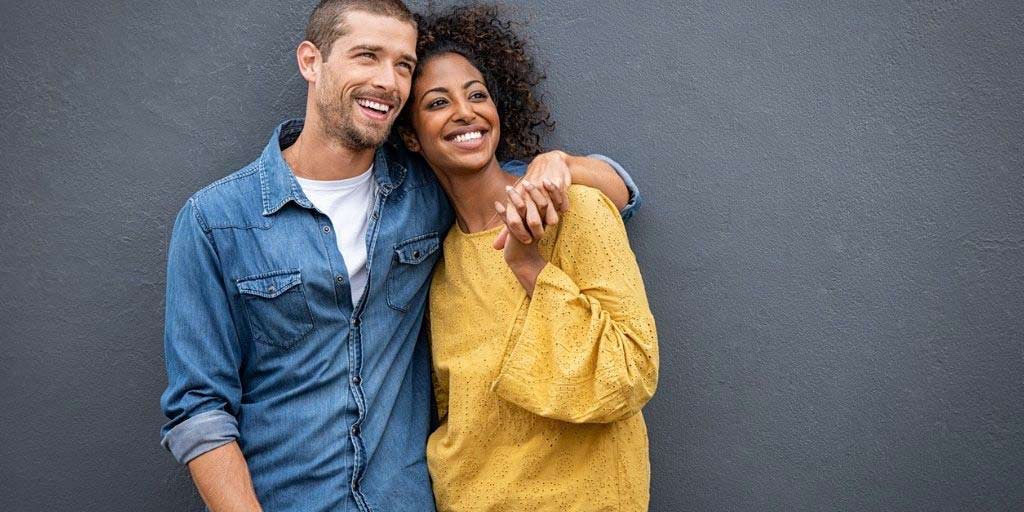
pixel 386 78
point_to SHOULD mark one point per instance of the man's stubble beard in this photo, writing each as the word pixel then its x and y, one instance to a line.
pixel 338 114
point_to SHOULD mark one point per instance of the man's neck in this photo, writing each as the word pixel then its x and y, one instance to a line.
pixel 316 156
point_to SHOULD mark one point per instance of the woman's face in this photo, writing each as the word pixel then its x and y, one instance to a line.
pixel 456 123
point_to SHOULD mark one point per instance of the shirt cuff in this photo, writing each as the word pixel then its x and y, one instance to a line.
pixel 634 193
pixel 200 434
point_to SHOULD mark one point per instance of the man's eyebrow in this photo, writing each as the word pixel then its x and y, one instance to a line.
pixel 373 48
pixel 366 47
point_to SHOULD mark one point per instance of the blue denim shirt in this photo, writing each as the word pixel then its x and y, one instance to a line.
pixel 329 401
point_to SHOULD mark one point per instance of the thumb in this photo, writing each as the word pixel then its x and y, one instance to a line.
pixel 499 243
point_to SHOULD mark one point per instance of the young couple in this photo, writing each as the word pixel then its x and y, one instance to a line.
pixel 298 359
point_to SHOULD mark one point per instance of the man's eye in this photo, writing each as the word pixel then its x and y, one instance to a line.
pixel 366 55
pixel 405 65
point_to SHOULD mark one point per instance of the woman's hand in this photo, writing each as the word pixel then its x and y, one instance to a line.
pixel 523 258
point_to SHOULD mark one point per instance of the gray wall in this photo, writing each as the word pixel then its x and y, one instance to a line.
pixel 833 237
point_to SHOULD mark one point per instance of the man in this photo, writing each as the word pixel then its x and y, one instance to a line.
pixel 296 291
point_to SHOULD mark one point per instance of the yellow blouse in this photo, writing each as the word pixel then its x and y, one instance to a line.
pixel 539 400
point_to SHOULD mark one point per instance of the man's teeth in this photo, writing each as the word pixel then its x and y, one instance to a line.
pixel 465 137
pixel 380 107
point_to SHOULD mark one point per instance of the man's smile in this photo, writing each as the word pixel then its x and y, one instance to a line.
pixel 375 108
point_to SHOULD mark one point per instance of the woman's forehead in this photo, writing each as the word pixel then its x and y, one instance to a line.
pixel 446 69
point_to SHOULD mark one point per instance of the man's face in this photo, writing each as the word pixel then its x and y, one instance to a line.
pixel 366 79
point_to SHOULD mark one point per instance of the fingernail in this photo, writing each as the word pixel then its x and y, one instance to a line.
pixel 527 184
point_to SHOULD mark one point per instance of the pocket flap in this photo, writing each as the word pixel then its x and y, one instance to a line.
pixel 417 249
pixel 269 284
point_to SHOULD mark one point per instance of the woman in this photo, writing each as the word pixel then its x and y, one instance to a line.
pixel 544 353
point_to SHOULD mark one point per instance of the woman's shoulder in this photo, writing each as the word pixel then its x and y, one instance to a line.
pixel 588 204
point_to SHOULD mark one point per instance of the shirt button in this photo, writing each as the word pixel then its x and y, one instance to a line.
pixel 356 380
pixel 355 486
pixel 355 321
pixel 355 430
pixel 375 215
pixel 415 254
pixel 327 229
pixel 340 279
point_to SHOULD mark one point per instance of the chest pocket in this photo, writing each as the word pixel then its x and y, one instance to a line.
pixel 410 269
pixel 276 307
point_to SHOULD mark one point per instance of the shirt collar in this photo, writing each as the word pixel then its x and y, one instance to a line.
pixel 278 185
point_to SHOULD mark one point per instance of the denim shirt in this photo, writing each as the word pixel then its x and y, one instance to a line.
pixel 329 400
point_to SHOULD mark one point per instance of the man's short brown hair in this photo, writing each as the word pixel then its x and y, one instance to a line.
pixel 327 23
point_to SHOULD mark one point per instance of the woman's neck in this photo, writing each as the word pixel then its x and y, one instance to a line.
pixel 473 195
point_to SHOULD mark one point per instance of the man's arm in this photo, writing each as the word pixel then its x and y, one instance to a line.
pixel 543 193
pixel 203 355
pixel 223 480
pixel 593 171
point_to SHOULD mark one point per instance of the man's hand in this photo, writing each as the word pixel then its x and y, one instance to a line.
pixel 537 199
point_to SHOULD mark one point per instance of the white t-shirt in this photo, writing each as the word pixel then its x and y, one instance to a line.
pixel 347 203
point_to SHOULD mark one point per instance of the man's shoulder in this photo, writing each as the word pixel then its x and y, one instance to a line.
pixel 232 201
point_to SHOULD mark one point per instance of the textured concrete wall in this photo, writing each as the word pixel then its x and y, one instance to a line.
pixel 833 238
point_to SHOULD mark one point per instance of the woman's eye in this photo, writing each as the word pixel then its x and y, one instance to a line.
pixel 479 95
pixel 436 103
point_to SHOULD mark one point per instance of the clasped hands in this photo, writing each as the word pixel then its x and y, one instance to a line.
pixel 531 206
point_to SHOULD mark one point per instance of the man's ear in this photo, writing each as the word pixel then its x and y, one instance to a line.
pixel 409 138
pixel 309 58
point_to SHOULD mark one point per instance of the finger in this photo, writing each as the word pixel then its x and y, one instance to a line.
pixel 516 226
pixel 515 198
pixel 563 193
pixel 555 194
pixel 533 220
pixel 551 215
pixel 538 194
pixel 499 243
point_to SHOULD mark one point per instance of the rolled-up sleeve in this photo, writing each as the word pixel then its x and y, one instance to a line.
pixel 201 349
pixel 634 192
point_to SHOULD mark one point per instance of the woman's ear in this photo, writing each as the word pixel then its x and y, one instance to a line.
pixel 409 138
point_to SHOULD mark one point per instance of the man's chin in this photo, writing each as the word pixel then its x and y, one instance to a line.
pixel 363 139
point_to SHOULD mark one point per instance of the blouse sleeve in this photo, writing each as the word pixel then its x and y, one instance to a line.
pixel 587 350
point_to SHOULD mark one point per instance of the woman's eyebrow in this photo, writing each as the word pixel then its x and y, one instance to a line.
pixel 436 89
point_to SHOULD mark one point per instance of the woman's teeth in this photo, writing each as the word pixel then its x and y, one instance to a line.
pixel 466 137
pixel 379 107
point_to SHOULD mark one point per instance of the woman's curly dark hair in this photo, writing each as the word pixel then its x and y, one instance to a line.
pixel 481 33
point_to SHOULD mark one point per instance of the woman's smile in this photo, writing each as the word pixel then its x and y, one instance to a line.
pixel 470 138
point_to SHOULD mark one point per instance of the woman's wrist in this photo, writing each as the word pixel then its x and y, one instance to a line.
pixel 527 270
